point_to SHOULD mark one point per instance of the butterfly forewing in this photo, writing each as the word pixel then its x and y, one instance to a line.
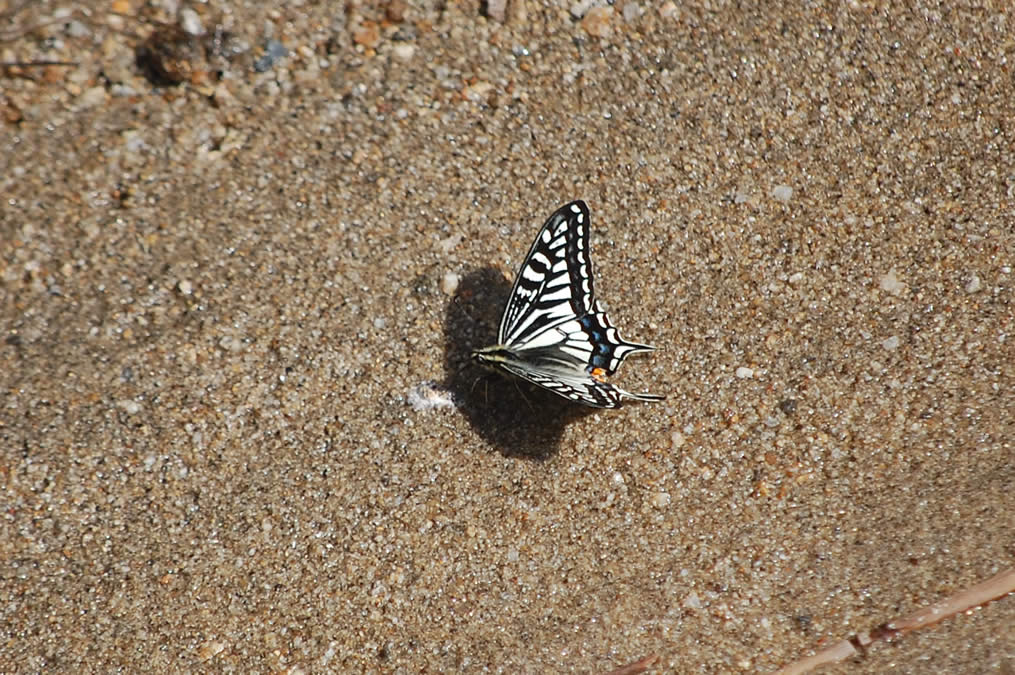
pixel 554 283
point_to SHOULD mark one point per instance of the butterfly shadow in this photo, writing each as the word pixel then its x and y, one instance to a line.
pixel 519 419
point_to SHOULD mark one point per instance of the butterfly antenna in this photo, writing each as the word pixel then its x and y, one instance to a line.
pixel 475 382
pixel 485 379
pixel 524 397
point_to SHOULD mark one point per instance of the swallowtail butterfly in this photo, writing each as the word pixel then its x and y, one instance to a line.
pixel 554 333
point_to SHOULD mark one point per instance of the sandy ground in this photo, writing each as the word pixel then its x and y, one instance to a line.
pixel 241 274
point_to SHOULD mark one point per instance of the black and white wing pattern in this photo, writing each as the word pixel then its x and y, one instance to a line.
pixel 554 333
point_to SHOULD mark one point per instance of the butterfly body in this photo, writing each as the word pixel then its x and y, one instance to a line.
pixel 554 333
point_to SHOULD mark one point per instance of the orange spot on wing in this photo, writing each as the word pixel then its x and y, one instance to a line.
pixel 598 374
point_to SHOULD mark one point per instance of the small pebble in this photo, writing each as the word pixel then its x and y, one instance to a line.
pixel 122 90
pixel 403 51
pixel 597 22
pixel 210 649
pixel 582 7
pixel 744 372
pixel 368 35
pixel 497 10
pixel 632 11
pixel 231 344
pixel 477 92
pixel 77 29
pixel 190 22
pixel 131 407
pixel 274 52
pixel 692 601
pixel 449 283
pixel 782 193
pixel 890 283
pixel 448 244
pixel 395 11
pixel 93 97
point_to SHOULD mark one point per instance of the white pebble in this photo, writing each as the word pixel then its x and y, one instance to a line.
pixel 692 601
pixel 477 92
pixel 449 283
pixel 632 11
pixel 190 22
pixel 403 51
pixel 131 407
pixel 891 344
pixel 93 97
pixel 744 372
pixel 231 344
pixel 582 7
pixel 782 193
pixel 890 283
pixel 77 29
pixel 974 284
pixel 448 244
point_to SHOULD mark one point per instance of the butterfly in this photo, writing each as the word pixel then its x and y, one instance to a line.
pixel 554 333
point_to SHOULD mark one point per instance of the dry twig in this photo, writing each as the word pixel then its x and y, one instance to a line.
pixel 992 589
pixel 639 666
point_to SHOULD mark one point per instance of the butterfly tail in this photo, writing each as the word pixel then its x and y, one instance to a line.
pixel 643 396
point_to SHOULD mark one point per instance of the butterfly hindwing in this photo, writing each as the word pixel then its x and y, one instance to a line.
pixel 577 387
pixel 608 349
